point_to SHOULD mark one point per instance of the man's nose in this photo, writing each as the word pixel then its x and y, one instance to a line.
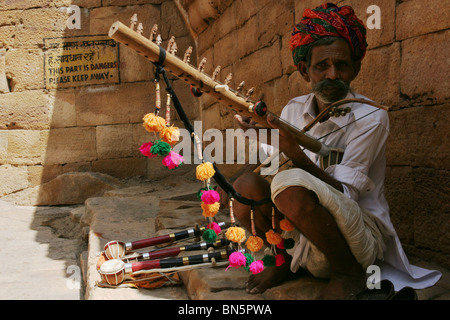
pixel 332 73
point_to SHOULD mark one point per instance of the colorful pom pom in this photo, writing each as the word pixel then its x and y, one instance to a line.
pixel 171 135
pixel 210 210
pixel 237 259
pixel 173 160
pixel 154 123
pixel 145 150
pixel 272 237
pixel 161 148
pixel 205 171
pixel 281 244
pixel 256 267
pixel 286 225
pixel 254 243
pixel 210 196
pixel 289 243
pixel 214 226
pixel 235 234
pixel 269 261
pixel 209 235
pixel 248 261
pixel 279 260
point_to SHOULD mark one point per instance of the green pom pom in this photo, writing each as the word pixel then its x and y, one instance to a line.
pixel 161 148
pixel 289 243
pixel 269 261
pixel 249 259
pixel 209 235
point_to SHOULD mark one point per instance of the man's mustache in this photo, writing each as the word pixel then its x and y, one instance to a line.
pixel 327 83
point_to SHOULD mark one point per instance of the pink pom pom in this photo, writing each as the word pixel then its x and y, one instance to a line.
pixel 256 266
pixel 214 226
pixel 279 260
pixel 173 160
pixel 145 150
pixel 236 259
pixel 210 197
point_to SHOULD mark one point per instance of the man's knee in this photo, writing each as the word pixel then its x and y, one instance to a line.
pixel 296 200
pixel 251 183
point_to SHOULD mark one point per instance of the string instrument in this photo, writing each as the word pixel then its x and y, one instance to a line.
pixel 202 83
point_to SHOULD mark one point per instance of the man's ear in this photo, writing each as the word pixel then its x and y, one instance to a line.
pixel 303 69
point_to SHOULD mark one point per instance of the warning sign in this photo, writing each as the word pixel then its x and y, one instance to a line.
pixel 80 61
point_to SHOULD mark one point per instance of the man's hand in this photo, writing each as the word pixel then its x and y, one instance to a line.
pixel 245 122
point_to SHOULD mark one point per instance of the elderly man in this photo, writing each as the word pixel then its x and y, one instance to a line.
pixel 339 211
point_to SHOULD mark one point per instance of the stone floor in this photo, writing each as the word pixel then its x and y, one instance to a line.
pixel 41 238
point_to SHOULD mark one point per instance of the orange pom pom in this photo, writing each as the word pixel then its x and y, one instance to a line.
pixel 235 234
pixel 210 210
pixel 154 123
pixel 272 237
pixel 171 135
pixel 205 171
pixel 286 225
pixel 254 243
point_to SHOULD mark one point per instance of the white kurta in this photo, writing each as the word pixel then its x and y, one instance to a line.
pixel 362 133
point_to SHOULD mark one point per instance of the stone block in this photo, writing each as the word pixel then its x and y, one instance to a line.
pixel 26 147
pixel 399 190
pixel 246 38
pixel 246 9
pixel 224 51
pixel 14 178
pixel 121 168
pixel 431 209
pixel 275 20
pixel 114 141
pixel 25 69
pixel 276 94
pixel 424 65
pixel 415 18
pixel 39 174
pixel 174 24
pixel 25 110
pixel 26 4
pixel 249 68
pixel 67 145
pixel 125 103
pixel 62 109
pixel 418 137
pixel 379 76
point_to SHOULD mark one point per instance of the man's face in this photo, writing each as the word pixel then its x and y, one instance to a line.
pixel 331 71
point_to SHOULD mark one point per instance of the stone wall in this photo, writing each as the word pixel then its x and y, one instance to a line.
pixel 95 128
pixel 406 67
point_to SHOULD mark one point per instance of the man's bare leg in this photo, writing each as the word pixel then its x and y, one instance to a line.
pixel 253 186
pixel 303 209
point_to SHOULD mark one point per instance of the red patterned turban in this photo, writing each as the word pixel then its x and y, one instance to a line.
pixel 328 20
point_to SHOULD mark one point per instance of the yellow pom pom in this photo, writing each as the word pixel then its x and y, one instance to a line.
pixel 171 135
pixel 286 225
pixel 210 210
pixel 254 243
pixel 205 171
pixel 235 234
pixel 154 123
pixel 272 237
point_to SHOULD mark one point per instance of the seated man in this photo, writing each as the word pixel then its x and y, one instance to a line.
pixel 339 212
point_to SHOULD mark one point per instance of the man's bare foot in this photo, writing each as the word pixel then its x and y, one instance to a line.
pixel 343 287
pixel 268 278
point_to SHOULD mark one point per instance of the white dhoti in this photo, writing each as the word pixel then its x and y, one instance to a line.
pixel 358 226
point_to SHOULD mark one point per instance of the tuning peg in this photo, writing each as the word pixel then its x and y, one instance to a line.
pixel 240 86
pixel 216 72
pixel 140 28
pixel 201 66
pixel 174 48
pixel 133 21
pixel 158 40
pixel 250 93
pixel 171 42
pixel 187 55
pixel 228 79
pixel 153 32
